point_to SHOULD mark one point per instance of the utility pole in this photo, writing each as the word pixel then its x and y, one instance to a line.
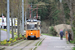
pixel 60 1
pixel 0 33
pixel 31 11
pixel 22 17
pixel 8 27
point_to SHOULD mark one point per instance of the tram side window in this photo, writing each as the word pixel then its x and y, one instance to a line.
pixel 35 26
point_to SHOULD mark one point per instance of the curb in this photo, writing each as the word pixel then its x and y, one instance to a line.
pixel 37 44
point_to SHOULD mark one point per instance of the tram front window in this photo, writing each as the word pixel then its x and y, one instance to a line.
pixel 31 26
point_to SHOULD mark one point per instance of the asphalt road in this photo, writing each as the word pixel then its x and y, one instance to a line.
pixel 54 43
pixel 4 35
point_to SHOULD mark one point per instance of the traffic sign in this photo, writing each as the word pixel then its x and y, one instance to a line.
pixel 2 16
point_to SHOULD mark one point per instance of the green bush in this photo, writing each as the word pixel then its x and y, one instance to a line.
pixel 52 31
pixel 73 28
pixel 74 23
pixel 64 31
pixel 72 42
pixel 73 48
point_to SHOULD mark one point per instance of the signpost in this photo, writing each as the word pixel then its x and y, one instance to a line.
pixel 2 22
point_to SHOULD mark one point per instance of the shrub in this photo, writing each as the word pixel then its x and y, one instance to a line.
pixel 72 42
pixel 73 48
pixel 11 40
pixel 64 31
pixel 73 28
pixel 52 31
pixel 4 42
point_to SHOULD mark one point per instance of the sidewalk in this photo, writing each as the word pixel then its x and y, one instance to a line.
pixel 54 43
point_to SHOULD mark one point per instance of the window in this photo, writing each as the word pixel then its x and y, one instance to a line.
pixel 32 26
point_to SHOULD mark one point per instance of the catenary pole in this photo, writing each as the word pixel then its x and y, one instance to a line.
pixel 8 27
pixel 0 33
pixel 60 1
pixel 22 17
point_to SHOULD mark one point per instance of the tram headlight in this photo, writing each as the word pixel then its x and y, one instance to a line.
pixel 31 33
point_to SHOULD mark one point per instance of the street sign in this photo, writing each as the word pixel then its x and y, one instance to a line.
pixel 2 21
pixel 2 16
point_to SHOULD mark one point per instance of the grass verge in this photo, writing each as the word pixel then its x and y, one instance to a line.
pixel 35 48
pixel 64 37
pixel 38 44
pixel 72 42
pixel 51 35
pixel 2 48
pixel 73 48
pixel 4 29
pixel 46 34
pixel 10 31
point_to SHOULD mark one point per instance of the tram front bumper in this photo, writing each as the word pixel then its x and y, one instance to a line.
pixel 31 36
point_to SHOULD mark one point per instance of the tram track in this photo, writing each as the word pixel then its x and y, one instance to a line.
pixel 22 45
pixel 18 45
pixel 27 44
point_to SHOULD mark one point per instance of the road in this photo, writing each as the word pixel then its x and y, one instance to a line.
pixel 4 35
pixel 54 43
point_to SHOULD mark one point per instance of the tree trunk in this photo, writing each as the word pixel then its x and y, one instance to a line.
pixel 12 19
pixel 14 25
pixel 71 14
pixel 62 12
pixel 18 21
pixel 18 27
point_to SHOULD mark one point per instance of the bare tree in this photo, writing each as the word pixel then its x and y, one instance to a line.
pixel 12 11
pixel 19 16
pixel 70 2
pixel 62 11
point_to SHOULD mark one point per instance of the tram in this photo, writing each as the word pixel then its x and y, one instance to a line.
pixel 33 25
pixel 33 28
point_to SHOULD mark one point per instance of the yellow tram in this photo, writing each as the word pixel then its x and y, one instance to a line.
pixel 33 28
